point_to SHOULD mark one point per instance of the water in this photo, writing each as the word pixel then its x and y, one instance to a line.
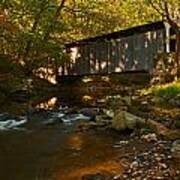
pixel 42 150
pixel 57 152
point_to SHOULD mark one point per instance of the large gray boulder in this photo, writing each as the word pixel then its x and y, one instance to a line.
pixel 123 120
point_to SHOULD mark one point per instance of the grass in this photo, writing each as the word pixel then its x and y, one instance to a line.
pixel 166 91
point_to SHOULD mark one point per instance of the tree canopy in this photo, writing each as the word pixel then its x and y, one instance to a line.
pixel 33 32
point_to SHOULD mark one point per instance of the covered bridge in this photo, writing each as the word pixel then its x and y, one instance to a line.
pixel 127 50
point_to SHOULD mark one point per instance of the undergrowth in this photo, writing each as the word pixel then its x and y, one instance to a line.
pixel 166 90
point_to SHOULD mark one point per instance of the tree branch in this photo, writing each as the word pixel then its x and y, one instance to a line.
pixel 34 27
pixel 56 15
pixel 158 10
pixel 168 17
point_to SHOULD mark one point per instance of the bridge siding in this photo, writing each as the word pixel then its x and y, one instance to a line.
pixel 134 52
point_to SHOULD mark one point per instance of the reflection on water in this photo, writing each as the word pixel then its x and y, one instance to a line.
pixel 92 153
pixel 107 167
pixel 55 151
pixel 75 141
pixel 49 104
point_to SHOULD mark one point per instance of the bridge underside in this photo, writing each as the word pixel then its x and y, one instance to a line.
pixel 128 77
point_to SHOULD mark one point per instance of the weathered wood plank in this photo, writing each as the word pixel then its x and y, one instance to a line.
pixel 133 52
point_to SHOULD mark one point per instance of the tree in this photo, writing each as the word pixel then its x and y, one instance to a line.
pixel 34 32
pixel 32 44
pixel 170 12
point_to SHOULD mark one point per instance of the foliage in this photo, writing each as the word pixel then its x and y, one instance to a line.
pixel 6 65
pixel 33 32
pixel 31 22
pixel 164 68
pixel 166 91
pixel 170 12
pixel 95 17
pixel 42 28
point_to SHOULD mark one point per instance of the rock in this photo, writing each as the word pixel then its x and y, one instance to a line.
pixel 103 120
pixel 120 144
pixel 124 120
pixel 163 165
pixel 52 121
pixel 96 176
pixel 149 137
pixel 118 176
pixel 175 150
pixel 127 100
pixel 123 142
pixel 90 112
pixel 109 113
pixel 134 164
pixel 175 101
pixel 144 102
pixel 118 101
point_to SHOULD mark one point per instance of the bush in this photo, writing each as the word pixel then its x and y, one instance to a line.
pixel 167 91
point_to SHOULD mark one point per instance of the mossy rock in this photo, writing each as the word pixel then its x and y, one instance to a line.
pixel 124 120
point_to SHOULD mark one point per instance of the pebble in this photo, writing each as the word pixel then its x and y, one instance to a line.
pixel 152 164
pixel 169 157
pixel 120 143
pixel 125 176
pixel 118 176
pixel 158 159
pixel 149 137
pixel 134 164
pixel 159 178
pixel 163 165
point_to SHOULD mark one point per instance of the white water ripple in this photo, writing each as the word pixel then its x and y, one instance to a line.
pixel 11 124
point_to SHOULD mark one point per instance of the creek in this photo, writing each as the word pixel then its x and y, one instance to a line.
pixel 45 147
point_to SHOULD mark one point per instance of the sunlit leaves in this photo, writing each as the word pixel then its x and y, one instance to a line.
pixel 32 32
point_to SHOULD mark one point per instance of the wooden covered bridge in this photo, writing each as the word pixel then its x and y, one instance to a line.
pixel 127 50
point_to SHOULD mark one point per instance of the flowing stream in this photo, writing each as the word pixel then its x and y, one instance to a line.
pixel 47 145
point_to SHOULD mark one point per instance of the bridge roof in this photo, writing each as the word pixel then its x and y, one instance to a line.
pixel 118 34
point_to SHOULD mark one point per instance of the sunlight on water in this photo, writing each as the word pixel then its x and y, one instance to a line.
pixel 107 167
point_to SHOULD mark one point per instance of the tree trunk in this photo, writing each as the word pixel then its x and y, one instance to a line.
pixel 177 58
pixel 34 27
